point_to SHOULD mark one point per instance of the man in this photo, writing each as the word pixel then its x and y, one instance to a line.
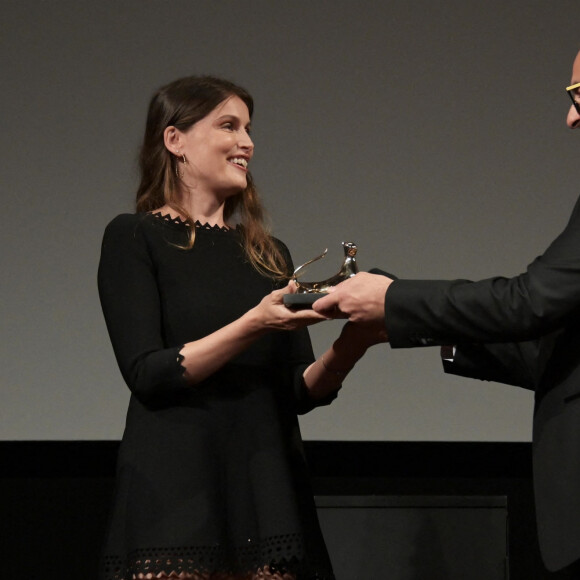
pixel 523 331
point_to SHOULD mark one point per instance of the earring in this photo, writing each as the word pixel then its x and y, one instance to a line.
pixel 183 160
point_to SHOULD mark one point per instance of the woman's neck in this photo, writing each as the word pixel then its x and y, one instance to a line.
pixel 205 207
pixel 204 213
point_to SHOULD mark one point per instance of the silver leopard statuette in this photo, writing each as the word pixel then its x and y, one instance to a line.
pixel 308 292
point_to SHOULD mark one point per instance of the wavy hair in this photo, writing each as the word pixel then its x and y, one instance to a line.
pixel 181 104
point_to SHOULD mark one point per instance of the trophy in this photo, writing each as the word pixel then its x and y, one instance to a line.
pixel 308 292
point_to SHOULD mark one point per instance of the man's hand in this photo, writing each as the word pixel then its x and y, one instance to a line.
pixel 361 299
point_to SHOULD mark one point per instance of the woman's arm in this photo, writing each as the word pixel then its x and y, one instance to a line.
pixel 325 375
pixel 203 357
pixel 130 300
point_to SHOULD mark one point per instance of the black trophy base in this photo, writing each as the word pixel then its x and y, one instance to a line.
pixel 302 301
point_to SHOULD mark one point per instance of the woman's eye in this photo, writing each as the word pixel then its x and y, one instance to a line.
pixel 228 126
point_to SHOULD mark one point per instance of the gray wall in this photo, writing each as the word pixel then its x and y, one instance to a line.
pixel 432 134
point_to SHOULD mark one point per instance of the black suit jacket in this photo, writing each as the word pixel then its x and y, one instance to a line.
pixel 523 331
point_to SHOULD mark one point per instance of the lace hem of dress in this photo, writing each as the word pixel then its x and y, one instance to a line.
pixel 279 558
pixel 178 221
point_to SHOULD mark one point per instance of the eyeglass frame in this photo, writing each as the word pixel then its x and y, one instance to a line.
pixel 571 90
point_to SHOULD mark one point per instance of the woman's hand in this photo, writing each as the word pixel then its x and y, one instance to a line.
pixel 363 336
pixel 203 357
pixel 327 373
pixel 272 314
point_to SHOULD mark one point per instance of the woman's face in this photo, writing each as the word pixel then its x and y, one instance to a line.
pixel 217 148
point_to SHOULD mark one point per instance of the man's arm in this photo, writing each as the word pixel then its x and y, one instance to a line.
pixel 435 312
pixel 521 364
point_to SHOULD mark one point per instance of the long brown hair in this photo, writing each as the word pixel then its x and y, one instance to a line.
pixel 181 104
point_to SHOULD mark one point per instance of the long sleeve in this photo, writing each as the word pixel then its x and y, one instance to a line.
pixel 219 461
pixel 298 356
pixel 131 305
pixel 544 298
pixel 521 364
pixel 157 297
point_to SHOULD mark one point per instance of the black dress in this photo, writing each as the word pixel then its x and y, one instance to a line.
pixel 210 477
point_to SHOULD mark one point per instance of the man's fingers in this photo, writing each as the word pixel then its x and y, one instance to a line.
pixel 326 304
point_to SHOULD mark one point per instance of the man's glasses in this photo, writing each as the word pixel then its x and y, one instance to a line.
pixel 574 92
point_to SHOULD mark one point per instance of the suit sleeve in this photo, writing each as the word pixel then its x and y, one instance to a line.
pixel 521 364
pixel 495 310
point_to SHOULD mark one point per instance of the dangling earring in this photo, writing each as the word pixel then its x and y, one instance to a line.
pixel 183 160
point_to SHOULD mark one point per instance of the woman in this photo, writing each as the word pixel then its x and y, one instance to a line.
pixel 211 479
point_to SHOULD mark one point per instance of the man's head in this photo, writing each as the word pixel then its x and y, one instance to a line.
pixel 573 119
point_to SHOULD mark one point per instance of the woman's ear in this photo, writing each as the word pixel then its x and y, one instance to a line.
pixel 172 139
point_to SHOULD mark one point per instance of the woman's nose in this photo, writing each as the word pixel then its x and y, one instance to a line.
pixel 246 142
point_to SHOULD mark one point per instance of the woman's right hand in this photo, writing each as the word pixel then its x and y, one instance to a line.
pixel 363 336
pixel 272 314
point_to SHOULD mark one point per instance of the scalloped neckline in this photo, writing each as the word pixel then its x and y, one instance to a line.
pixel 166 218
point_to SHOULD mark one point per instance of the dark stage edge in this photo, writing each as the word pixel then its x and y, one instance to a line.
pixel 55 495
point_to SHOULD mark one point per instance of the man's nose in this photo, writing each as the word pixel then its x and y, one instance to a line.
pixel 573 119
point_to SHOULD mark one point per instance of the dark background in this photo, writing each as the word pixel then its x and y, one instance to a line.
pixel 431 134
